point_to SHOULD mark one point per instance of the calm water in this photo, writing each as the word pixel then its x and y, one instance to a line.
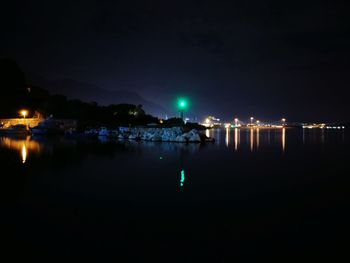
pixel 267 194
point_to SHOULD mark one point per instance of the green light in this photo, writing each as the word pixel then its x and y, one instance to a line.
pixel 182 104
pixel 182 179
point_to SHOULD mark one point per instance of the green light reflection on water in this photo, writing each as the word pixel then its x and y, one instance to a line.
pixel 182 179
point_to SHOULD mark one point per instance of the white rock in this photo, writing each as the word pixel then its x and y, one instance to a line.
pixel 195 138
pixel 181 138
pixel 132 137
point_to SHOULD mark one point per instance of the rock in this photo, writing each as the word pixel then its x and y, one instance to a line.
pixel 194 138
pixel 175 134
pixel 181 138
pixel 147 136
pixel 165 138
pixel 156 138
pixel 132 137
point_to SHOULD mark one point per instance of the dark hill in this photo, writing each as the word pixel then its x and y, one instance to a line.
pixel 87 92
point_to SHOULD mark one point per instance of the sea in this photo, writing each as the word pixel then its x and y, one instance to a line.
pixel 253 194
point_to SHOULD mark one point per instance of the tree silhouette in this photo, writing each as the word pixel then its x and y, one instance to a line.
pixel 14 94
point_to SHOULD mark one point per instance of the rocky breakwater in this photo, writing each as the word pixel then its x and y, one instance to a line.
pixel 175 134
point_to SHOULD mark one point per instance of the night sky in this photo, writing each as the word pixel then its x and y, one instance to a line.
pixel 269 59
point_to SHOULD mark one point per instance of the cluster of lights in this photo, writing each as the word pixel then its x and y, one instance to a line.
pixel 211 122
pixel 322 126
pixel 253 123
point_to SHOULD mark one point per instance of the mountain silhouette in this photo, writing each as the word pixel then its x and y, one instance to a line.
pixel 74 89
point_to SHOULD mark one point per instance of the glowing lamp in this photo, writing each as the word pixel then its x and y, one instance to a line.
pixel 182 104
pixel 24 113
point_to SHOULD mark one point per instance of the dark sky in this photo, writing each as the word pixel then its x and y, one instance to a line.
pixel 230 58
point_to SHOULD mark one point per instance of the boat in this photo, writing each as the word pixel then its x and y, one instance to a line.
pixel 103 132
pixel 18 129
pixel 47 127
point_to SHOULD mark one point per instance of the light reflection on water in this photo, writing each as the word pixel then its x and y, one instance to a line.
pixel 227 137
pixel 173 184
pixel 23 145
pixel 207 132
pixel 27 146
pixel 237 138
pixel 24 153
pixel 259 139
pixel 253 140
pixel 283 139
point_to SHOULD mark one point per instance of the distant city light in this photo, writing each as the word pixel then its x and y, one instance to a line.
pixel 211 121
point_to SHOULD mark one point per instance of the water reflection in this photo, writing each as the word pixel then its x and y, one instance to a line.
pixel 237 138
pixel 283 139
pixel 24 153
pixel 227 137
pixel 182 178
pixel 321 136
pixel 207 133
pixel 24 146
pixel 172 147
pixel 251 140
pixel 256 138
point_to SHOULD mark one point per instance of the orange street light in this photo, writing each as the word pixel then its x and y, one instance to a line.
pixel 24 113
